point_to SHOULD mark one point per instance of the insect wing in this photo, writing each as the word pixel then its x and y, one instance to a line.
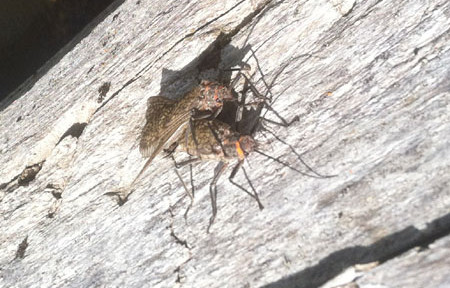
pixel 159 111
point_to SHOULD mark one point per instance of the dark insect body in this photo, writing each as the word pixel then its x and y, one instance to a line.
pixel 217 141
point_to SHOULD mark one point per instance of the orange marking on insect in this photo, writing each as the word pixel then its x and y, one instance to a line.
pixel 239 150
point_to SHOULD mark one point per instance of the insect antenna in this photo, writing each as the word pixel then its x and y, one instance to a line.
pixel 318 175
pixel 276 159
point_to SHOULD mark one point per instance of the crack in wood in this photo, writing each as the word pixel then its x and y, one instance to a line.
pixel 29 174
pixel 383 250
pixel 20 253
pixel 75 131
pixel 177 239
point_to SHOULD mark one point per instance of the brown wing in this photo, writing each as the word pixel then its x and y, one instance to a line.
pixel 159 111
pixel 167 118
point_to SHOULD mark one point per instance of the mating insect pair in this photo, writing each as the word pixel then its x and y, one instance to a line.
pixel 190 123
pixel 218 141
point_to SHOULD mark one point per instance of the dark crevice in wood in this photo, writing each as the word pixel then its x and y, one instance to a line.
pixel 58 55
pixel 56 190
pixel 102 91
pixel 29 174
pixel 178 272
pixel 350 10
pixel 7 185
pixel 20 253
pixel 75 131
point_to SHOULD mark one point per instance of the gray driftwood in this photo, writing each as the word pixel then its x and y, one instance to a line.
pixel 370 83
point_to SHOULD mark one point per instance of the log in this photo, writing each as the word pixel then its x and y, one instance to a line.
pixel 369 82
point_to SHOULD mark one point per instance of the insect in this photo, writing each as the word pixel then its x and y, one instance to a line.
pixel 166 118
pixel 217 141
pixel 233 142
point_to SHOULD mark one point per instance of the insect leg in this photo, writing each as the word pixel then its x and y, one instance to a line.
pixel 213 191
pixel 283 123
pixel 192 180
pixel 238 76
pixel 190 193
pixel 254 195
pixel 254 90
pixel 184 162
pixel 265 100
pixel 192 131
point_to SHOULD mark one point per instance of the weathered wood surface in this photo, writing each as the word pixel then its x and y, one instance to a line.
pixel 370 83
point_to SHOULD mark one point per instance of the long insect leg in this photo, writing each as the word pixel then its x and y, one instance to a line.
pixel 185 162
pixel 269 107
pixel 191 130
pixel 213 191
pixel 192 180
pixel 263 78
pixel 254 90
pixel 238 75
pixel 241 105
pixel 254 195
pixel 276 159
pixel 190 193
pixel 309 168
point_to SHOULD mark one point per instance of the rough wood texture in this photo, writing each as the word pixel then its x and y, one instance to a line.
pixel 370 83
